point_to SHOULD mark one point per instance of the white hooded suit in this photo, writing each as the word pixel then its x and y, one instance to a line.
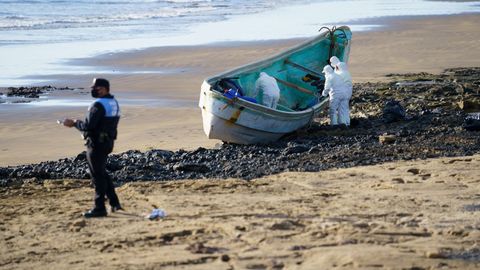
pixel 267 87
pixel 344 108
pixel 339 93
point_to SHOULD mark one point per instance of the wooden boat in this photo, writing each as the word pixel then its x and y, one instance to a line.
pixel 238 120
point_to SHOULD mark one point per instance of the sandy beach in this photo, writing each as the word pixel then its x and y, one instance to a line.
pixel 407 45
pixel 419 214
pixel 402 215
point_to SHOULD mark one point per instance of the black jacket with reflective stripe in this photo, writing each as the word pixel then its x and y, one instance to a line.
pixel 102 120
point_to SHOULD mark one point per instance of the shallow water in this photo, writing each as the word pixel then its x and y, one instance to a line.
pixel 38 37
pixel 84 100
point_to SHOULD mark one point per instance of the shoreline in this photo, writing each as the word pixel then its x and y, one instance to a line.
pixel 147 58
pixel 374 54
pixel 417 208
pixel 275 25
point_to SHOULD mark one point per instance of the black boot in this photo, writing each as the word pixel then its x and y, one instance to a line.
pixel 95 212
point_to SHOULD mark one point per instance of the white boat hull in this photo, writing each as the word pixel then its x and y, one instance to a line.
pixel 219 128
pixel 243 122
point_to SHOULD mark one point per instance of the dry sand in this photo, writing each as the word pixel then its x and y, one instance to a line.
pixel 416 45
pixel 408 45
pixel 403 215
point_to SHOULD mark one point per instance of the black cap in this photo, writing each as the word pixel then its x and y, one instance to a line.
pixel 101 82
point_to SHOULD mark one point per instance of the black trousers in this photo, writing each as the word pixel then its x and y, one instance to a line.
pixel 97 158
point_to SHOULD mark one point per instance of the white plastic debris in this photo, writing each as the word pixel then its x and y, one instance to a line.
pixel 156 214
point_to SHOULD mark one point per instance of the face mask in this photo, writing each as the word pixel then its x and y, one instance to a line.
pixel 94 92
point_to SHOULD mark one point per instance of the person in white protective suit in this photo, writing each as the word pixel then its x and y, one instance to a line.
pixel 342 70
pixel 338 93
pixel 344 109
pixel 267 87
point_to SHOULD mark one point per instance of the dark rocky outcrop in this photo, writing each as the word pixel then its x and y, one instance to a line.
pixel 31 92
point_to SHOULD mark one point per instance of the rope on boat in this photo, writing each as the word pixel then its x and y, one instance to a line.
pixel 332 39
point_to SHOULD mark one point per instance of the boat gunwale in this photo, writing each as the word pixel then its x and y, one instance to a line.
pixel 238 102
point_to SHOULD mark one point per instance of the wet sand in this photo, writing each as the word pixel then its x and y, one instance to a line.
pixel 402 215
pixel 408 45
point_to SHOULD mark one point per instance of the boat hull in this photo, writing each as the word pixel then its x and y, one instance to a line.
pixel 218 128
pixel 236 120
pixel 243 122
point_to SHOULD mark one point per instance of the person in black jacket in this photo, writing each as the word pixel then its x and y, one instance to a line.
pixel 100 131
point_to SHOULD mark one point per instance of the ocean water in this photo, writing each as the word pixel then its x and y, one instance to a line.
pixel 53 21
pixel 38 37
